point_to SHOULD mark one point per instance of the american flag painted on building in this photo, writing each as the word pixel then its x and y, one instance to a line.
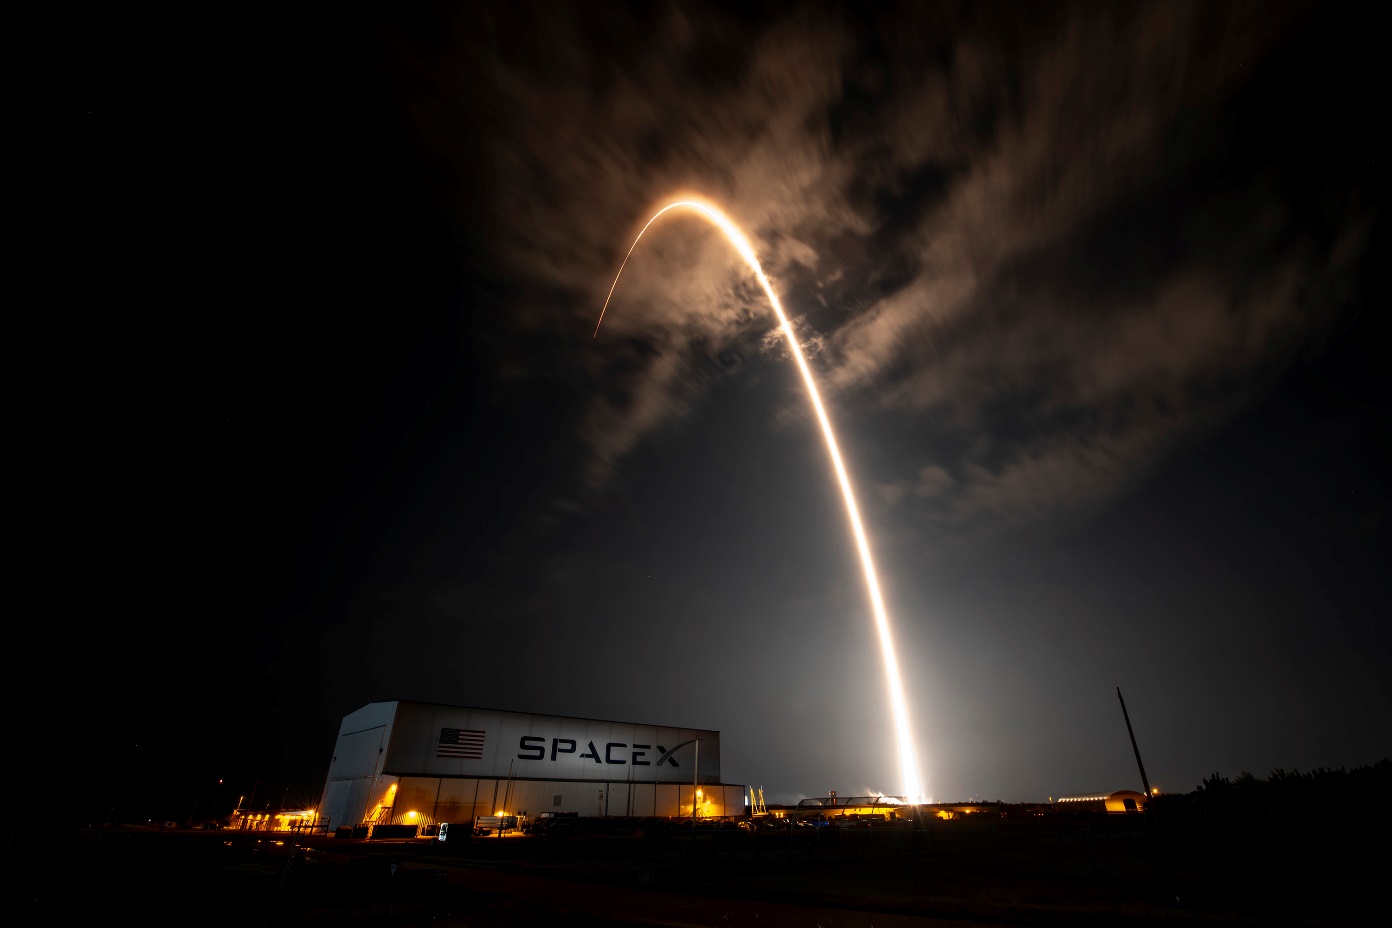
pixel 460 742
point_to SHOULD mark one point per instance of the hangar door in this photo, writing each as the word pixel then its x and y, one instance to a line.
pixel 350 782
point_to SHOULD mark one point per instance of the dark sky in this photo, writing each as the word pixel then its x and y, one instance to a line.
pixel 1092 293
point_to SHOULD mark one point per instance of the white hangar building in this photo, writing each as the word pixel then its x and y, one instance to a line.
pixel 413 763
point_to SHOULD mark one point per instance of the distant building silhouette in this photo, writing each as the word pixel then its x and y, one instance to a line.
pixel 1123 800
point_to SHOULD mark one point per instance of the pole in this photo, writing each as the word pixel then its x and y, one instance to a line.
pixel 502 813
pixel 280 890
pixel 1152 814
pixel 1137 751
pixel 435 809
pixel 251 803
pixel 695 778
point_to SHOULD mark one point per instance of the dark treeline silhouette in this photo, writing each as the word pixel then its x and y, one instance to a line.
pixel 1318 841
pixel 1319 794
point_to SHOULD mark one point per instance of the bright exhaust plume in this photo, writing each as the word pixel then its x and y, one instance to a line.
pixel 908 760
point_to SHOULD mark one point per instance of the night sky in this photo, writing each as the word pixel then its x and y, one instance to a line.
pixel 1093 291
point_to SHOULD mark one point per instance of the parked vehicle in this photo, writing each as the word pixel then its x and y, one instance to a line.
pixel 493 824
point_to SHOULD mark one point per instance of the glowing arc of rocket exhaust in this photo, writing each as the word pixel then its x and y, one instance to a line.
pixel 908 760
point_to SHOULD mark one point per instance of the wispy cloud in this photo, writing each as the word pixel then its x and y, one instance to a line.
pixel 1023 239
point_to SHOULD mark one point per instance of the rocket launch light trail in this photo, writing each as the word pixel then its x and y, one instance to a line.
pixel 908 760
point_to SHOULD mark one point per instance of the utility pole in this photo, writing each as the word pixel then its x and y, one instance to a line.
pixel 695 778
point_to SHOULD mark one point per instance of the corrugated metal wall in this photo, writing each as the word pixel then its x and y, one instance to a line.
pixel 430 751
pixel 463 799
pixel 435 740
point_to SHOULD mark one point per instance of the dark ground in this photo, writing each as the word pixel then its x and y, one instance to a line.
pixel 1102 870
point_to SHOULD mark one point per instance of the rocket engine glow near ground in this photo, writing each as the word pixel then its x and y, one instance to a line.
pixel 908 760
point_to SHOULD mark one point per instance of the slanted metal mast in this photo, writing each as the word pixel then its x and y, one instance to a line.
pixel 1137 751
